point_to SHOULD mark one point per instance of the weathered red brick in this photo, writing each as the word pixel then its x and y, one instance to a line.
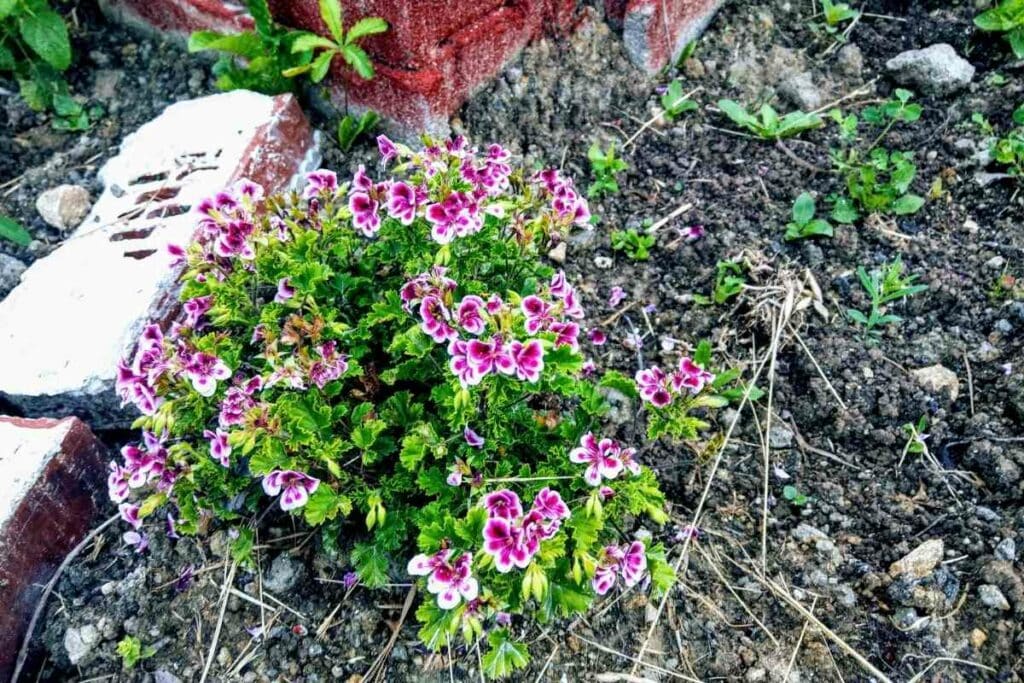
pixel 180 17
pixel 52 490
pixel 656 31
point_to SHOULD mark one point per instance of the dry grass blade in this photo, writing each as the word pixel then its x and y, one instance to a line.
pixel 799 642
pixel 952 660
pixel 225 591
pixel 376 669
pixel 637 662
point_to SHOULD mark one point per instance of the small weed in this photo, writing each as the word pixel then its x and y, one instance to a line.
pixel 985 126
pixel 688 51
pixel 604 166
pixel 342 43
pixel 768 124
pixel 1006 18
pixel 804 223
pixel 916 435
pixel 794 496
pixel 884 287
pixel 13 231
pixel 132 651
pixel 1008 150
pixel 637 245
pixel 836 14
pixel 350 128
pixel 879 183
pixel 35 50
pixel 729 282
pixel 675 102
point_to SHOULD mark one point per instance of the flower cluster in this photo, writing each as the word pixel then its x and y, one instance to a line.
pixel 605 459
pixel 511 537
pixel 369 357
pixel 659 389
pixel 493 336
pixel 627 561
pixel 451 582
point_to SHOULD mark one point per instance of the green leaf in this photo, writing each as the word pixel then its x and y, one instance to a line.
pixel 241 547
pixel 330 11
pixel 13 231
pixel 358 60
pixel 6 7
pixel 505 655
pixel 47 35
pixel 907 204
pixel 366 27
pixel 1016 40
pixel 736 112
pixel 857 316
pixel 311 41
pixel 245 45
pixel 320 65
pixel 844 211
pixel 803 208
pixel 619 382
pixel 262 19
pixel 371 564
pixel 325 505
pixel 6 59
pixel 817 228
pixel 994 19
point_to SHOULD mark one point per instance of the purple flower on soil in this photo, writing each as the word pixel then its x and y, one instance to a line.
pixel 450 582
pixel 130 514
pixel 693 232
pixel 220 449
pixel 567 334
pixel 204 371
pixel 601 457
pixel 457 216
pixel 364 213
pixel 172 527
pixel 293 487
pixel 690 377
pixel 588 368
pixel 629 562
pixel 653 385
pixel 688 532
pixel 136 539
pixel 402 203
pixel 436 320
pixel 471 314
pixel 472 438
pixel 184 580
pixel 597 337
pixel 503 504
pixel 550 504
pixel 460 364
pixel 387 149
pixel 285 290
pixel 528 359
pixel 633 341
pixel 320 181
pixel 196 308
pixel 503 619
pixel 331 365
pixel 489 356
pixel 350 580
pixel 616 297
pixel 538 314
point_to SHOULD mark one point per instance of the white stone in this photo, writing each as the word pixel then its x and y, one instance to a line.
pixel 79 642
pixel 920 561
pixel 78 311
pixel 938 378
pixel 65 206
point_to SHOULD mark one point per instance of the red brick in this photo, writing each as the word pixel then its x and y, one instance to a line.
pixel 180 17
pixel 656 31
pixel 52 491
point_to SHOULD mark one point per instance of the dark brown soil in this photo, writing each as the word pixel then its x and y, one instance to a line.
pixel 866 510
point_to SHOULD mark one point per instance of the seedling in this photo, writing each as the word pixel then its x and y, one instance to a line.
pixel 768 124
pixel 12 231
pixel 884 287
pixel 729 282
pixel 794 496
pixel 804 223
pixel 1006 287
pixel 637 245
pixel 132 651
pixel 351 128
pixel 898 109
pixel 1008 150
pixel 345 44
pixel 254 60
pixel 604 166
pixel 878 184
pixel 675 102
pixel 836 13
pixel 1006 18
pixel 916 436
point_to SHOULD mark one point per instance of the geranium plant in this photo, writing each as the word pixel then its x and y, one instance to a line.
pixel 391 362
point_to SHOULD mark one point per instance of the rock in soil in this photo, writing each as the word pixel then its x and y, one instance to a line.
pixel 64 206
pixel 10 273
pixel 993 597
pixel 920 561
pixel 936 70
pixel 936 379
pixel 80 641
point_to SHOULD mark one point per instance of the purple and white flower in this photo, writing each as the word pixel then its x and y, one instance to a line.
pixel 295 488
